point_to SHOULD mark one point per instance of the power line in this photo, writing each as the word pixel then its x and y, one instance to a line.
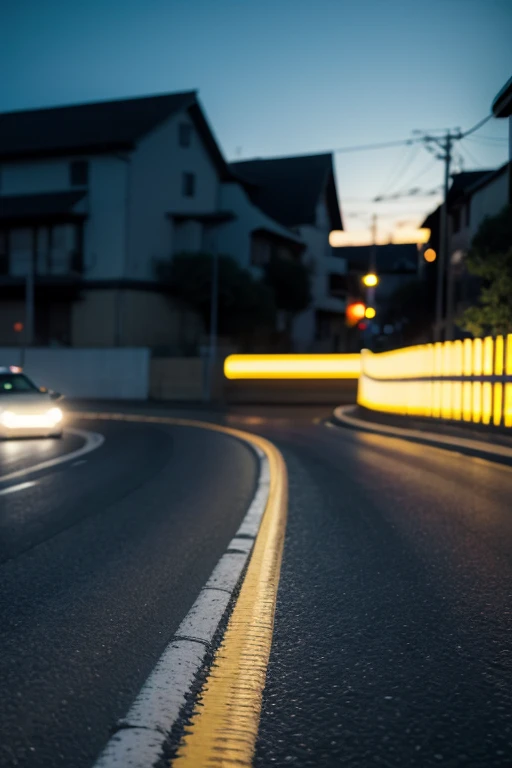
pixel 396 175
pixel 471 156
pixel 493 139
pixel 381 145
pixel 430 165
pixel 475 127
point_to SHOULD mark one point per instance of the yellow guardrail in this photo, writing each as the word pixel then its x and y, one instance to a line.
pixel 292 366
pixel 468 380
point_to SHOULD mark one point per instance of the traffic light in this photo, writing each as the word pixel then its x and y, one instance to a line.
pixel 354 313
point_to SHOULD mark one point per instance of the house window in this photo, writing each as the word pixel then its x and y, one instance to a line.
pixel 79 173
pixel 188 185
pixel 185 134
pixel 456 220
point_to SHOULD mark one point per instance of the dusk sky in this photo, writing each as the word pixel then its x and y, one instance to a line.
pixel 280 77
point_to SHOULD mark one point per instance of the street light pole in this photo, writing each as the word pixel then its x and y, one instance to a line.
pixel 443 244
pixel 372 267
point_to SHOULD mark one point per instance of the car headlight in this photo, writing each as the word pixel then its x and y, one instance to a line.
pixel 8 418
pixel 55 414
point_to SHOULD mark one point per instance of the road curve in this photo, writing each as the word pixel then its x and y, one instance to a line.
pixel 393 634
pixel 99 562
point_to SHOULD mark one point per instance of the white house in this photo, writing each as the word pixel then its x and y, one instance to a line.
pixel 93 195
pixel 300 193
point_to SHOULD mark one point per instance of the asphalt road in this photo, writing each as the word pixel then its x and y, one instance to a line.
pixel 393 634
pixel 99 563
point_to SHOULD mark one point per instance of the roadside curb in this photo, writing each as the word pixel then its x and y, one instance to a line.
pixel 345 416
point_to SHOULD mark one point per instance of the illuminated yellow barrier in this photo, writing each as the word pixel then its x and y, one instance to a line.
pixel 292 366
pixel 461 381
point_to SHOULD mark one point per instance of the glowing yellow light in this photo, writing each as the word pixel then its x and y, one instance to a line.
pixel 498 404
pixel 370 313
pixel 292 366
pixel 370 280
pixel 430 255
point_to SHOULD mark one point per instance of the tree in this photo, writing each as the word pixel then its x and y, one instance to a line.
pixel 490 259
pixel 244 303
pixel 290 282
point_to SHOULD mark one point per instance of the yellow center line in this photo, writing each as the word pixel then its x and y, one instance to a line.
pixel 224 724
pixel 225 721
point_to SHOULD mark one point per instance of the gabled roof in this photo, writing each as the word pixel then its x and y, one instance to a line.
pixel 461 182
pixel 393 258
pixel 98 127
pixel 502 104
pixel 288 189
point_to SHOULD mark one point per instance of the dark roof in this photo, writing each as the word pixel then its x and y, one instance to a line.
pixel 98 127
pixel 461 182
pixel 502 104
pixel 288 189
pixel 53 205
pixel 486 179
pixel 391 259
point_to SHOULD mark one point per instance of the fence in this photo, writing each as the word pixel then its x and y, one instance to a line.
pixel 468 380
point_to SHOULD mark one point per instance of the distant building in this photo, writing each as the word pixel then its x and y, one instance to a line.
pixel 473 196
pixel 300 193
pixel 92 196
pixel 502 108
pixel 396 265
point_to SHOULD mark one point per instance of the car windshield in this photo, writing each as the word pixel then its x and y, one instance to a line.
pixel 16 384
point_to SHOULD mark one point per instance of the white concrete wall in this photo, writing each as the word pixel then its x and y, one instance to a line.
pixel 105 228
pixel 156 189
pixel 109 374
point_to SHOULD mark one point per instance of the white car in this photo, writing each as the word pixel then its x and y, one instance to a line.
pixel 27 410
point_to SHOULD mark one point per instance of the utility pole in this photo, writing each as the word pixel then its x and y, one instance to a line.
pixel 372 266
pixel 443 244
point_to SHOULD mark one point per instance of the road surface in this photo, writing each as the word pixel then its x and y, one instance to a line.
pixel 393 634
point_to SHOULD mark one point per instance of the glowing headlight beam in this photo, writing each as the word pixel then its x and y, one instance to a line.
pixel 12 420
pixel 346 366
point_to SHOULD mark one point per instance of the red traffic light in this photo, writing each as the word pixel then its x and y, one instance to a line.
pixel 18 327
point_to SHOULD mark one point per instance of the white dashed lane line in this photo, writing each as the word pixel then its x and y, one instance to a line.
pixel 92 441
pixel 16 488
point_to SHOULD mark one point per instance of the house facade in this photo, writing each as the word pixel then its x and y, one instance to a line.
pixel 300 193
pixel 93 196
pixel 473 196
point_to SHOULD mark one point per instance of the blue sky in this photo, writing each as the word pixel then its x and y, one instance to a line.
pixel 282 77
